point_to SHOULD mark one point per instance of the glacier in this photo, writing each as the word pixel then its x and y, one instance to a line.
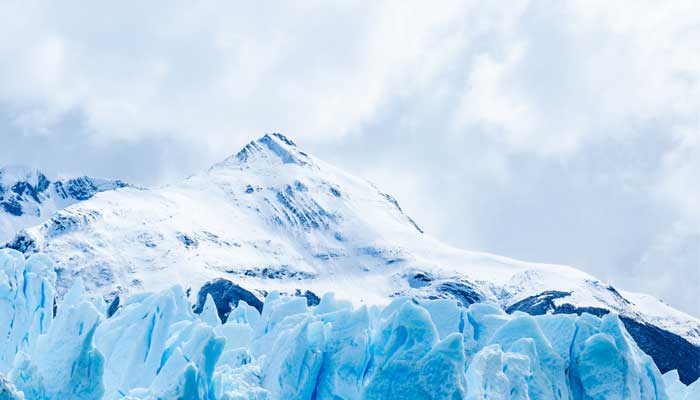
pixel 154 346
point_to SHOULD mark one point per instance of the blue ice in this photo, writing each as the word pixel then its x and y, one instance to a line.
pixel 155 347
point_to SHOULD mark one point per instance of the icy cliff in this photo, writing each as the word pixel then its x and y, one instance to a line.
pixel 154 346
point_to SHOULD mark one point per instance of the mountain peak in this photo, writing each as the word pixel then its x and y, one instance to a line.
pixel 28 197
pixel 273 147
pixel 11 174
pixel 279 137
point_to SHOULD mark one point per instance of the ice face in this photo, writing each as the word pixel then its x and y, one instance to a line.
pixel 26 303
pixel 155 347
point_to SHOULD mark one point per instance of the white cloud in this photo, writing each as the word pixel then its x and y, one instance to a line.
pixel 568 73
pixel 182 68
pixel 677 184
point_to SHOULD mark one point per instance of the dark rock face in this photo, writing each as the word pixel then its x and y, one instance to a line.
pixel 29 194
pixel 11 198
pixel 81 188
pixel 668 350
pixel 226 295
pixel 275 273
pixel 284 139
pixel 22 243
pixel 113 307
pixel 463 292
pixel 271 143
pixel 42 183
pixel 25 188
pixel 311 298
pixel 335 192
pixel 187 240
pixel 12 206
pixel 543 303
pixel 63 222
pixel 419 280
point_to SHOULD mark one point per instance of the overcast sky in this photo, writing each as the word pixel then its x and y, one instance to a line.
pixel 561 132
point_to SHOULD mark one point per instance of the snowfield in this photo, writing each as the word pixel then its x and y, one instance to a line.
pixel 274 219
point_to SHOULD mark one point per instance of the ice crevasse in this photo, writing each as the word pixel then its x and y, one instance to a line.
pixel 155 347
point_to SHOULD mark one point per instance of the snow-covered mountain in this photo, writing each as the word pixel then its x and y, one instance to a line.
pixel 275 218
pixel 28 197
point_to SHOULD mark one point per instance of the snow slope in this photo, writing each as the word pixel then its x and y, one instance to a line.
pixel 28 197
pixel 275 218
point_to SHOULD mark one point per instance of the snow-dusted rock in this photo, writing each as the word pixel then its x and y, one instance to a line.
pixel 28 198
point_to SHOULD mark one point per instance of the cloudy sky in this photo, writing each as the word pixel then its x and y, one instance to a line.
pixel 562 132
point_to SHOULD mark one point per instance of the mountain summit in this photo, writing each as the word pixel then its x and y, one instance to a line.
pixel 272 217
pixel 275 145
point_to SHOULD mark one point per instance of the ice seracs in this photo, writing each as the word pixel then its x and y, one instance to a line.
pixel 155 347
pixel 27 291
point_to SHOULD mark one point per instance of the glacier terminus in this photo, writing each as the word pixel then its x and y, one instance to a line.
pixel 155 347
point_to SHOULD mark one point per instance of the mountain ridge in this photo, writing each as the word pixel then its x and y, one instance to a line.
pixel 28 197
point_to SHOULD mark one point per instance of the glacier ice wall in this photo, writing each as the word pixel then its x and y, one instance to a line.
pixel 155 347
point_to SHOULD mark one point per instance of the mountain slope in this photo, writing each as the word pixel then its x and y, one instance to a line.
pixel 28 197
pixel 274 218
